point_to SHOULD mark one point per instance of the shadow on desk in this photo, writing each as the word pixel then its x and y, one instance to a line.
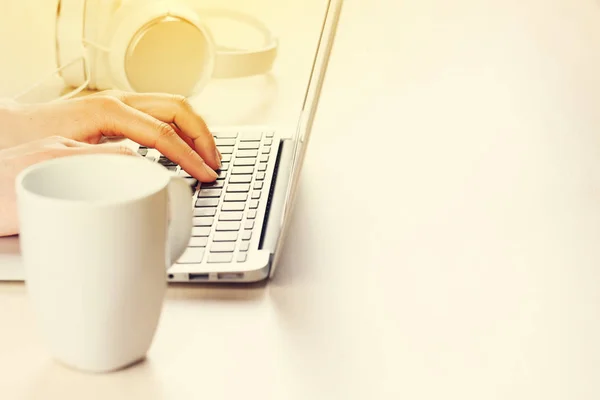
pixel 217 292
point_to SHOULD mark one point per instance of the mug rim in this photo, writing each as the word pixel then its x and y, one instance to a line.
pixel 22 176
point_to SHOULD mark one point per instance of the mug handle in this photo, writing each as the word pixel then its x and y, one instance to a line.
pixel 180 227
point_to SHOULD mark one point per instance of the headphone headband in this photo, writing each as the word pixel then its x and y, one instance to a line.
pixel 113 29
pixel 236 63
pixel 70 20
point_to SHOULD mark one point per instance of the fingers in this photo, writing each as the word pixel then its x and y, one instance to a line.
pixel 185 138
pixel 34 146
pixel 177 110
pixel 59 141
pixel 96 149
pixel 56 147
pixel 120 119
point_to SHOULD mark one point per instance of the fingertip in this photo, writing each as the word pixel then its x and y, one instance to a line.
pixel 205 176
pixel 218 157
pixel 201 171
pixel 212 174
pixel 212 163
pixel 128 152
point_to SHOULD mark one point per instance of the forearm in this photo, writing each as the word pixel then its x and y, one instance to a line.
pixel 10 123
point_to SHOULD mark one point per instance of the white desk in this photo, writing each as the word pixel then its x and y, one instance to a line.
pixel 445 242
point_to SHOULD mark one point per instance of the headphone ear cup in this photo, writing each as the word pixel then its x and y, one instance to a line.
pixel 159 46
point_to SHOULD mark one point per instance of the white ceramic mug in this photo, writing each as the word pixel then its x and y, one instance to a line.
pixel 97 235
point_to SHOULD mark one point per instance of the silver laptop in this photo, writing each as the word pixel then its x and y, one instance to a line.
pixel 240 220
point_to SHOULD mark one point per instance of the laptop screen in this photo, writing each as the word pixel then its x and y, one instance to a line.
pixel 279 96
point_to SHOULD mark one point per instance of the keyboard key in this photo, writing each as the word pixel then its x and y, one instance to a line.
pixel 184 174
pixel 249 146
pixel 242 170
pixel 253 204
pixel 260 176
pixel 213 185
pixel 225 142
pixel 265 150
pixel 225 135
pixel 226 236
pixel 245 245
pixel 249 224
pixel 221 174
pixel 142 151
pixel 256 194
pixel 203 221
pixel 200 231
pixel 233 206
pixel 262 167
pixel 242 257
pixel 220 257
pixel 240 179
pixel 171 167
pixel 192 255
pixel 270 134
pixel 239 188
pixel 236 196
pixel 210 202
pixel 226 158
pixel 246 153
pixel 267 142
pixel 225 149
pixel 204 193
pixel 231 216
pixel 205 212
pixel 198 242
pixel 228 226
pixel 251 136
pixel 264 158
pixel 244 161
pixel 222 247
pixel 246 235
pixel 224 166
pixel 162 160
pixel 258 185
pixel 251 214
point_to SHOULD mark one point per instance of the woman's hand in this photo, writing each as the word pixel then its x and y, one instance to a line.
pixel 16 159
pixel 161 121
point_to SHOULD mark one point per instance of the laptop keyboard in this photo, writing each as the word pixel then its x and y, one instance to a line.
pixel 228 213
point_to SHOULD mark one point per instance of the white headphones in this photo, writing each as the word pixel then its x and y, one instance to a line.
pixel 150 46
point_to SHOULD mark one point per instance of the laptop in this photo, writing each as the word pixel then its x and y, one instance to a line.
pixel 240 221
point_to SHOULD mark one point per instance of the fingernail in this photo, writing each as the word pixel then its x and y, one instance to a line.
pixel 210 171
pixel 218 157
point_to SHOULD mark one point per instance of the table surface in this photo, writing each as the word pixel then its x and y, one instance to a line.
pixel 445 239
